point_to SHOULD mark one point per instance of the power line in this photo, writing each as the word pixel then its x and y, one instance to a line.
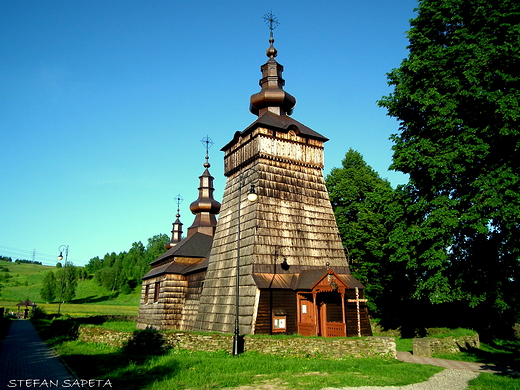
pixel 24 254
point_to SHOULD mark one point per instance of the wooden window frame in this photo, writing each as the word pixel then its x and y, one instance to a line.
pixel 156 292
pixel 276 323
pixel 146 292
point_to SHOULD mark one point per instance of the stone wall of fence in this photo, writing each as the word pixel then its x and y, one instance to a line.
pixel 428 345
pixel 289 346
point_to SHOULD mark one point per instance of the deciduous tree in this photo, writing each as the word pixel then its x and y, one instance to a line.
pixel 457 98
pixel 48 291
pixel 363 205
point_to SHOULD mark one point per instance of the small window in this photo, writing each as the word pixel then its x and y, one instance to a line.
pixel 146 292
pixel 156 292
pixel 279 323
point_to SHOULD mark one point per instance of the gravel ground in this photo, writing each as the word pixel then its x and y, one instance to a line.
pixel 448 379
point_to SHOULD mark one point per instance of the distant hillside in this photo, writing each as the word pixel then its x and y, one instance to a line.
pixel 24 281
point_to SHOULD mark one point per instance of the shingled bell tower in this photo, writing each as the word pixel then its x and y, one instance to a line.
pixel 285 246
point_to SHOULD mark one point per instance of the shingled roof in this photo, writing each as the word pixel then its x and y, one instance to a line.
pixel 198 245
pixel 305 280
pixel 276 122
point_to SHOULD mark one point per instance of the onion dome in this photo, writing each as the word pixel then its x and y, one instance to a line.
pixel 176 233
pixel 176 226
pixel 205 207
pixel 272 97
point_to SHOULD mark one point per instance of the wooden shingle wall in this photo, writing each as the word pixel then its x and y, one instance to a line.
pixel 166 312
pixel 276 302
pixel 191 304
pixel 292 219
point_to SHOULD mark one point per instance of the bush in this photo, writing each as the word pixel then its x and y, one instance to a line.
pixel 38 313
pixel 446 332
pixel 145 343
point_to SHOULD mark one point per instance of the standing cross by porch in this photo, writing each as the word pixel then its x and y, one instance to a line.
pixel 357 300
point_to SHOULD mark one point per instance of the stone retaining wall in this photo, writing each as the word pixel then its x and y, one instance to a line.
pixel 428 345
pixel 290 346
pixel 323 347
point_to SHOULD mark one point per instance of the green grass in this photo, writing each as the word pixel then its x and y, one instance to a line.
pixel 504 353
pixel 404 345
pixel 487 381
pixel 91 299
pixel 139 368
pixel 25 282
pixel 199 370
pixel 447 332
pixel 119 326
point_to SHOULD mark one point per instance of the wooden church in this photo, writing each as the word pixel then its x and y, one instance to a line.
pixel 171 290
pixel 274 262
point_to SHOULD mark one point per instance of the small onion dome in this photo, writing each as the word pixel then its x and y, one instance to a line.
pixel 205 202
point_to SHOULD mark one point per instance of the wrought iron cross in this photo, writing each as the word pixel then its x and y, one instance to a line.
pixel 208 143
pixel 179 200
pixel 271 20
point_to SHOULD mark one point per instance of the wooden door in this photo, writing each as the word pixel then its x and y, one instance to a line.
pixel 331 315
pixel 307 315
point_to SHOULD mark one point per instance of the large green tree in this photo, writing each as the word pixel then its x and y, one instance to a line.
pixel 365 210
pixel 457 98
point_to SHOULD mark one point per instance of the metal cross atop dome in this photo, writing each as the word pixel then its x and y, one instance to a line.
pixel 208 143
pixel 271 20
pixel 179 200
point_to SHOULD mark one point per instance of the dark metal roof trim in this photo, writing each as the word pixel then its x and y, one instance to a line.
pixel 276 122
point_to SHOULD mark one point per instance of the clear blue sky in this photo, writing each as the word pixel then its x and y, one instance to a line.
pixel 103 105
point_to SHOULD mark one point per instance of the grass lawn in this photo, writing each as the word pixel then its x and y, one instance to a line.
pixel 176 369
pixel 494 382
pixel 218 370
pixel 200 370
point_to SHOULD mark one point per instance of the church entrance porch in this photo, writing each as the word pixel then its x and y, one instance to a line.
pixel 312 302
pixel 322 314
pixel 332 309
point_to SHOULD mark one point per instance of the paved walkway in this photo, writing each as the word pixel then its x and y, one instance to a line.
pixel 26 361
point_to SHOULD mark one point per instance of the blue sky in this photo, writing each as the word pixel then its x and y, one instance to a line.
pixel 103 105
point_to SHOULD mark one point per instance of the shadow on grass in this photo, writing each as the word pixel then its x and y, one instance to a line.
pixel 501 353
pixel 133 367
pixel 504 353
pixel 95 298
pixel 53 329
pixel 145 343
pixel 125 371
